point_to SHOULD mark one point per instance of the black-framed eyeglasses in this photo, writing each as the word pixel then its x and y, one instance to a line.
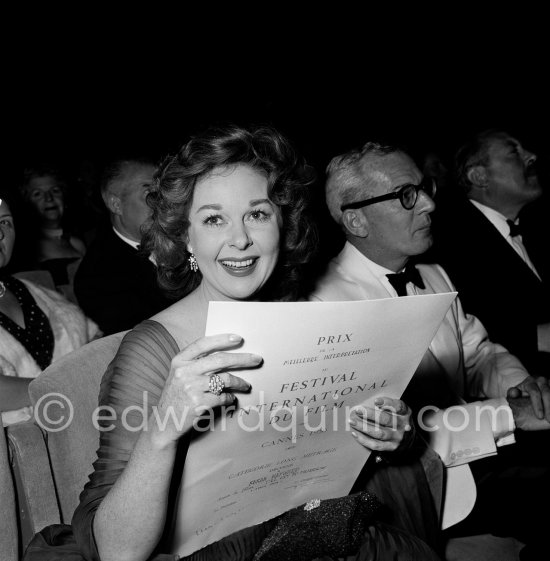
pixel 407 194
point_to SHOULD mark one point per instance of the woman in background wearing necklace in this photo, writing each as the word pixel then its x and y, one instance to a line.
pixel 37 326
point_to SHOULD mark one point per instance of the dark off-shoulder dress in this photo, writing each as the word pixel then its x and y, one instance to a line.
pixel 407 528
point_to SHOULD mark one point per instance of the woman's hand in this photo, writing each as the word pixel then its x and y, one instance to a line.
pixel 186 394
pixel 387 427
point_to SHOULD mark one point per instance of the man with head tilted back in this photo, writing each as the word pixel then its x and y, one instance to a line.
pixel 495 247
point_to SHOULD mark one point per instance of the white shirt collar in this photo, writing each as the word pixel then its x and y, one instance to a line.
pixel 499 222
pixel 495 218
pixel 357 264
pixel 134 244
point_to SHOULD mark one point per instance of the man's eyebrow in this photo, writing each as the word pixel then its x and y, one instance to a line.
pixel 401 185
pixel 511 143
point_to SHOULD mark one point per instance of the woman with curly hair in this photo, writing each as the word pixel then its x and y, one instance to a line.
pixel 229 222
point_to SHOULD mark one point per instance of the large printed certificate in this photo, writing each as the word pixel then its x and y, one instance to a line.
pixel 288 440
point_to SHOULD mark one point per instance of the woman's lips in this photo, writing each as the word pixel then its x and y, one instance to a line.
pixel 239 267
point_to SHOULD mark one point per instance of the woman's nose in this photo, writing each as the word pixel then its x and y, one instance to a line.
pixel 239 237
pixel 1 234
pixel 48 196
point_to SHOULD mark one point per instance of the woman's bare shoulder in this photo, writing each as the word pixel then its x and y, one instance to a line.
pixel 185 320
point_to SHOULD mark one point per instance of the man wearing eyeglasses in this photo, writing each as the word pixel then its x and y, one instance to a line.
pixel 382 202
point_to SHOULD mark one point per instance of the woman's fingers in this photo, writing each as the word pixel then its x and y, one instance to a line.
pixel 210 344
pixel 230 383
pixel 218 362
pixel 206 355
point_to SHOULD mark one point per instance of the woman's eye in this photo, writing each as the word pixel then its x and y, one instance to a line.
pixel 6 223
pixel 259 215
pixel 213 220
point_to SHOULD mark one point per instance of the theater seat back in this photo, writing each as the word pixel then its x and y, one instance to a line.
pixel 65 396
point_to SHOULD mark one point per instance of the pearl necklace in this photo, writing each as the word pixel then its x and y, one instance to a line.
pixel 2 289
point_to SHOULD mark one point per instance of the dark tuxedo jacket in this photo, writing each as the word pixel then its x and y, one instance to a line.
pixel 115 285
pixel 494 283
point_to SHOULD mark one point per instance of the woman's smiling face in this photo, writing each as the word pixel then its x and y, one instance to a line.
pixel 46 195
pixel 234 231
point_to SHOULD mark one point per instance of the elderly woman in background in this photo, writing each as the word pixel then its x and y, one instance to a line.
pixel 51 244
pixel 37 326
pixel 229 223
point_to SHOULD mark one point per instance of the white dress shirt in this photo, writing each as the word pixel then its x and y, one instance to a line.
pixel 463 353
pixel 499 222
pixel 134 244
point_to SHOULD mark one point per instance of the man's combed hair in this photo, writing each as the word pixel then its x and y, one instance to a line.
pixel 115 169
pixel 346 176
pixel 266 151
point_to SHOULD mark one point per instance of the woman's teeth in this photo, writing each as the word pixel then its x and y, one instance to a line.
pixel 238 264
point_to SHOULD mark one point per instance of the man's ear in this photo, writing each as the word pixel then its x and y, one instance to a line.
pixel 113 203
pixel 355 223
pixel 477 175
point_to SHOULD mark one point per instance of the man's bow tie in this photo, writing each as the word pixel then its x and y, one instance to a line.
pixel 515 229
pixel 399 280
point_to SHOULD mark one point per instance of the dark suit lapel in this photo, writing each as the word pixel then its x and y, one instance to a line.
pixel 501 249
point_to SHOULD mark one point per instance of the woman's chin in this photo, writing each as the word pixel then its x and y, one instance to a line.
pixel 242 290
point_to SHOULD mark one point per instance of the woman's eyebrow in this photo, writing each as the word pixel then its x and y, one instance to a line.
pixel 210 207
pixel 259 202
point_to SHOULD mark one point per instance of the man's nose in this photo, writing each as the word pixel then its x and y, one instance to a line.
pixel 529 157
pixel 424 203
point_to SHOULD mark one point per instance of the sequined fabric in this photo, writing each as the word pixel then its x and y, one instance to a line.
pixel 333 527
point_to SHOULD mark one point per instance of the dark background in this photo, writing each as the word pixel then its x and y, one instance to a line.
pixel 66 114
pixel 83 92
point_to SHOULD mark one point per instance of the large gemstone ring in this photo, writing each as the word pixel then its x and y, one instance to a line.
pixel 215 384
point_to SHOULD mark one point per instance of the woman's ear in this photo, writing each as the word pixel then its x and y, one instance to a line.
pixel 355 223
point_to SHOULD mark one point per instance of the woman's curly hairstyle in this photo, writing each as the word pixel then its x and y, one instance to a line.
pixel 265 150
